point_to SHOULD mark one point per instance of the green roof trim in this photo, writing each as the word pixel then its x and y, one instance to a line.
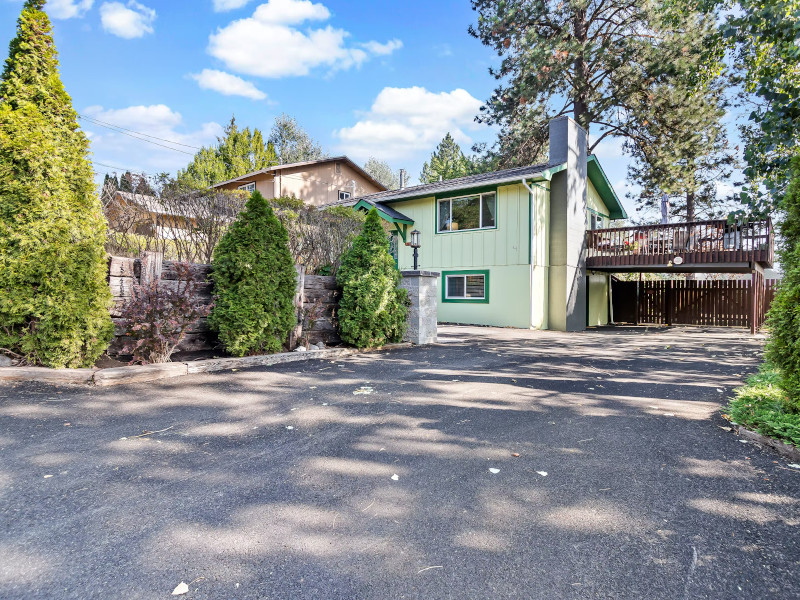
pixel 367 206
pixel 607 194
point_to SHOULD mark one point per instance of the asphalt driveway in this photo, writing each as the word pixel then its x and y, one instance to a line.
pixel 396 475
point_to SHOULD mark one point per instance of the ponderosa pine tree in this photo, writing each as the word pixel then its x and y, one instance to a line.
pixel 54 297
pixel 447 162
pixel 237 152
pixel 372 310
pixel 783 319
pixel 254 282
pixel 679 146
pixel 586 59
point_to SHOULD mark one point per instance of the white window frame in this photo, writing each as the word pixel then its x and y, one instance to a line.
pixel 447 295
pixel 344 195
pixel 248 187
pixel 480 212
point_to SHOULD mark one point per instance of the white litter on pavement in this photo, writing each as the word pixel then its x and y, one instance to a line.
pixel 542 473
pixel 181 589
pixel 395 477
pixel 495 471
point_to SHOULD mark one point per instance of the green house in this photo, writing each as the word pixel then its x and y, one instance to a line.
pixel 511 245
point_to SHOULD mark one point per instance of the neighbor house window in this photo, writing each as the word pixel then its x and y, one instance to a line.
pixel 248 187
pixel 344 195
pixel 469 212
pixel 466 286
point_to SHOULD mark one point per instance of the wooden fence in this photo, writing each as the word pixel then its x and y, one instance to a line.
pixel 722 303
pixel 315 293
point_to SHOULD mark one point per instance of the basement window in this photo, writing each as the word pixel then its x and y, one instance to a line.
pixel 465 286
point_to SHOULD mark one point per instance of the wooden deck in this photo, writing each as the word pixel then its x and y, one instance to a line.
pixel 683 247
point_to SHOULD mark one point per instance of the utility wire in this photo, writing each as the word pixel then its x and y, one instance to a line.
pixel 111 125
pixel 141 139
pixel 124 170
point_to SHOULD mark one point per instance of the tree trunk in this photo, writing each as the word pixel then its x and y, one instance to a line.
pixel 580 105
pixel 690 207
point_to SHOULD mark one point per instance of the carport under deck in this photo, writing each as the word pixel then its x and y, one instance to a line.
pixel 696 247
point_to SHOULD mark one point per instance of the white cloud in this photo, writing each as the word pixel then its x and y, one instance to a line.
pixel 226 5
pixel 405 121
pixel 67 9
pixel 129 21
pixel 159 121
pixel 383 49
pixel 227 84
pixel 269 44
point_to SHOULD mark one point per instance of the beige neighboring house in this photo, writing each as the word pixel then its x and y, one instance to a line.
pixel 316 182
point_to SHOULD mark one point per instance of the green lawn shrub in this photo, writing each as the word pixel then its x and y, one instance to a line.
pixel 372 310
pixel 255 281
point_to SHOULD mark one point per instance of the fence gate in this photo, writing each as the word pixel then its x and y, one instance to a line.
pixel 723 303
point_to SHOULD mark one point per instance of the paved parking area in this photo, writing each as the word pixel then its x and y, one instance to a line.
pixel 396 475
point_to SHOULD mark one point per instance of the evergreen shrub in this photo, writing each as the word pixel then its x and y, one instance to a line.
pixel 255 281
pixel 54 296
pixel 783 319
pixel 372 311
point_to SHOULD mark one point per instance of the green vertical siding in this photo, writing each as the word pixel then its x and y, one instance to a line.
pixel 598 299
pixel 508 252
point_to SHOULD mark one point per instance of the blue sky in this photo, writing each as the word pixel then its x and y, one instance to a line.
pixel 366 78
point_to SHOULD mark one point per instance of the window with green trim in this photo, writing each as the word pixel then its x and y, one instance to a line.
pixel 478 211
pixel 465 286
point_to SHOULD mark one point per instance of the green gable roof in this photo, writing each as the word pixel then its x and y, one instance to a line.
pixel 607 194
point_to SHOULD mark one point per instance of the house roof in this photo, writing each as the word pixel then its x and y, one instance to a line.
pixel 386 212
pixel 542 172
pixel 306 163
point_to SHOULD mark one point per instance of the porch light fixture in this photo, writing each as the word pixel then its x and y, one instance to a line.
pixel 415 244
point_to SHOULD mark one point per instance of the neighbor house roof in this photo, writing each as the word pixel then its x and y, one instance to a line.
pixel 306 163
pixel 541 172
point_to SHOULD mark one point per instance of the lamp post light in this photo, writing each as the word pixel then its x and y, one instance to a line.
pixel 415 244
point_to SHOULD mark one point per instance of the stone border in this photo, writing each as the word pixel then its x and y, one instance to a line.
pixel 141 373
pixel 782 448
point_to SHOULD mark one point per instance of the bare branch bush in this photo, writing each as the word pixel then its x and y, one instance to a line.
pixel 186 224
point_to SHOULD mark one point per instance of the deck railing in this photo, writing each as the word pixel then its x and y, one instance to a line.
pixel 682 244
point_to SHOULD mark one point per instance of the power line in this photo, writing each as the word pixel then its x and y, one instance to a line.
pixel 123 169
pixel 111 125
pixel 141 139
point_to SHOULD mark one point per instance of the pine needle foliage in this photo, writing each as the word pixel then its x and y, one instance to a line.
pixel 254 279
pixel 54 297
pixel 372 310
pixel 783 319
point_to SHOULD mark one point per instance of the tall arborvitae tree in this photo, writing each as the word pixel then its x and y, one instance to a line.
pixel 783 346
pixel 577 57
pixel 373 308
pixel 237 152
pixel 382 173
pixel 766 33
pixel 254 279
pixel 292 143
pixel 446 162
pixel 54 297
